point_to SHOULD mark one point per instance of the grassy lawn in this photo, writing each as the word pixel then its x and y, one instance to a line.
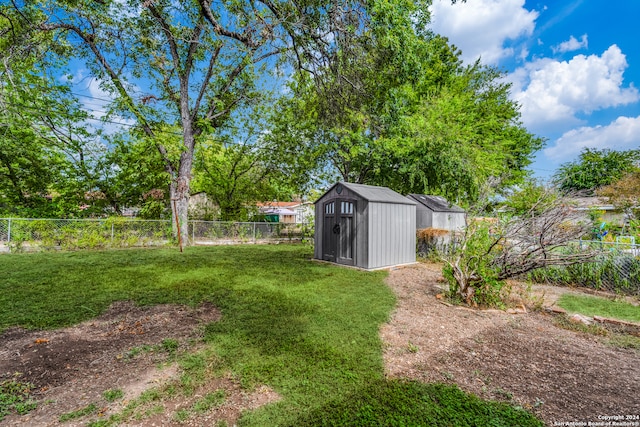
pixel 308 330
pixel 594 306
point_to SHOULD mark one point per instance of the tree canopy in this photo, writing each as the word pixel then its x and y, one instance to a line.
pixel 413 118
pixel 596 168
pixel 373 97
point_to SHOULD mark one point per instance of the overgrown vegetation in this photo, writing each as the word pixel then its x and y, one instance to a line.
pixel 612 271
pixel 310 331
pixel 491 250
pixel 112 232
pixel 15 396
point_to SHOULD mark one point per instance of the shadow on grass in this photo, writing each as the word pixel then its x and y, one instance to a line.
pixel 408 403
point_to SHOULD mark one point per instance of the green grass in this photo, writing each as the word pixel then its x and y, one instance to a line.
pixel 593 306
pixel 113 395
pixel 82 412
pixel 399 403
pixel 310 331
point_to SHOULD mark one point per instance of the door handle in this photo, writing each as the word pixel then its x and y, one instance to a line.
pixel 336 229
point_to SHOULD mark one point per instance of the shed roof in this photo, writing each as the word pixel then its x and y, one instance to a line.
pixel 436 203
pixel 373 193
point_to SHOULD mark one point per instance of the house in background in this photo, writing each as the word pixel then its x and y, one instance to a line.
pixel 606 211
pixel 287 212
pixel 202 207
pixel 437 212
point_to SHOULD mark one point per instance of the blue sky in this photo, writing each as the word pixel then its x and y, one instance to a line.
pixel 574 67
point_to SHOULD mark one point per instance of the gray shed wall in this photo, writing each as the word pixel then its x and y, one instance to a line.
pixel 424 217
pixel 448 220
pixel 392 234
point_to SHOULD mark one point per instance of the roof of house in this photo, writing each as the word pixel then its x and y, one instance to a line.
pixel 268 210
pixel 372 193
pixel 435 203
pixel 276 204
pixel 586 203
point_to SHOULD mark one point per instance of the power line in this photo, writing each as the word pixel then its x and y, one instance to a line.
pixel 65 114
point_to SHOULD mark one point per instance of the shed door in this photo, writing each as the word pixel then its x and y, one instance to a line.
pixel 329 236
pixel 339 231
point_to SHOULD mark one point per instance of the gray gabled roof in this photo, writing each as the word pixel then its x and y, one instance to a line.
pixel 372 193
pixel 435 203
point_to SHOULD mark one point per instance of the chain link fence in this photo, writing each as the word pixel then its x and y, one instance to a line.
pixel 32 235
pixel 220 232
pixel 615 268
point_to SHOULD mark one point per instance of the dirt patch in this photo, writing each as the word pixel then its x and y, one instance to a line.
pixel 523 359
pixel 127 349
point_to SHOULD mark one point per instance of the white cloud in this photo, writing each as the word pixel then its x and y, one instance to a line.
pixel 552 93
pixel 481 27
pixel 571 45
pixel 622 134
pixel 96 100
pixel 96 90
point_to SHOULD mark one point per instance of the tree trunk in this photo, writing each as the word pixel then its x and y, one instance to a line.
pixel 180 193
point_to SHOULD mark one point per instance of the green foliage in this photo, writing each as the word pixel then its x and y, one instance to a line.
pixel 624 193
pixel 39 120
pixel 596 168
pixel 15 396
pixel 112 395
pixel 593 306
pixel 234 177
pixel 610 271
pixel 530 197
pixel 470 269
pixel 113 232
pixel 399 403
pixel 461 139
pixel 82 412
pixel 405 113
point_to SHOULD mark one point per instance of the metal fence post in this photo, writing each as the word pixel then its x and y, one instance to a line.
pixel 254 232
pixel 9 232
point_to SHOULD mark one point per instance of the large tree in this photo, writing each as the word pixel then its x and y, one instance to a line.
pixel 408 115
pixel 191 63
pixel 596 168
pixel 42 138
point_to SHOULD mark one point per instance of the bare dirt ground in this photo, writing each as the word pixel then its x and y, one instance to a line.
pixel 120 350
pixel 524 359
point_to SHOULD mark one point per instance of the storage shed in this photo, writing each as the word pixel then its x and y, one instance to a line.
pixel 365 226
pixel 437 212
